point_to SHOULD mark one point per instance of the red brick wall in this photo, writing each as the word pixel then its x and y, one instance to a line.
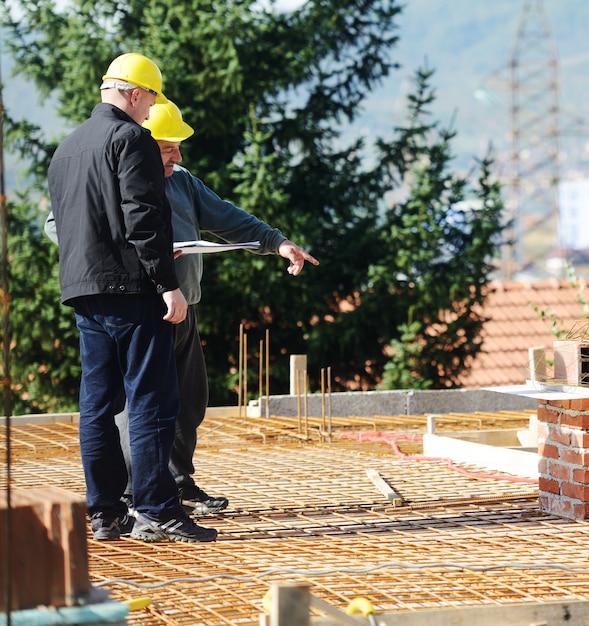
pixel 563 457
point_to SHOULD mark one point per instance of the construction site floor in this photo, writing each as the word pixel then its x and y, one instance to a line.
pixel 303 509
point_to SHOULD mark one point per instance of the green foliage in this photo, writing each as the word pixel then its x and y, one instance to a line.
pixel 225 64
pixel 439 241
pixel 43 337
pixel 404 253
pixel 28 140
pixel 402 370
pixel 556 323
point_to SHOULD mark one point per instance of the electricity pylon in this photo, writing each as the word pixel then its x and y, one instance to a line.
pixel 535 131
pixel 531 167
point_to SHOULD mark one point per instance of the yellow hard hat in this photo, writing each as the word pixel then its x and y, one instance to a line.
pixel 137 69
pixel 166 124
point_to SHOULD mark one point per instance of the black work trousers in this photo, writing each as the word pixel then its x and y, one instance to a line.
pixel 194 396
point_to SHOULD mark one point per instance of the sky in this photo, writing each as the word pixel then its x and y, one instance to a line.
pixel 289 5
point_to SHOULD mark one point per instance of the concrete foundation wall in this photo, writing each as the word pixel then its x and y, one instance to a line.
pixel 398 402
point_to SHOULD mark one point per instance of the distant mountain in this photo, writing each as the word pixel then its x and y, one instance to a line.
pixel 469 44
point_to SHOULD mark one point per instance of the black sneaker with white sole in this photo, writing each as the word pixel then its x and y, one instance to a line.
pixel 178 528
pixel 107 527
pixel 199 502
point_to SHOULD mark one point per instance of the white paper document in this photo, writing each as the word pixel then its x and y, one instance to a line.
pixel 201 246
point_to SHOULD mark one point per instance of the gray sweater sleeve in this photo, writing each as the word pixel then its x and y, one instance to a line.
pixel 197 209
pixel 198 205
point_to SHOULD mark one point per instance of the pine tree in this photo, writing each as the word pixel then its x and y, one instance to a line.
pixel 268 94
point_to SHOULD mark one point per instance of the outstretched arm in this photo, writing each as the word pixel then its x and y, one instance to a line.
pixel 296 255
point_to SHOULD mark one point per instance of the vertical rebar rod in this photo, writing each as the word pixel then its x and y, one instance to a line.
pixel 245 374
pixel 329 402
pixel 306 405
pixel 267 372
pixel 298 390
pixel 6 380
pixel 261 375
pixel 322 402
pixel 239 372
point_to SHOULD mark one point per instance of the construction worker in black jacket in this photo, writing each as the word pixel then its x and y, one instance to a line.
pixel 113 222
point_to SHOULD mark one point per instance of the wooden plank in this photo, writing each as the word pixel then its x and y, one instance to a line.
pixel 383 486
pixel 49 564
pixel 572 613
pixel 289 604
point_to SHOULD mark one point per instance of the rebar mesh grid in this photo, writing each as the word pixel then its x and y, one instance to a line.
pixel 302 509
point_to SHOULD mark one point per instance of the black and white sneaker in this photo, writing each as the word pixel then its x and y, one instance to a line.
pixel 199 502
pixel 179 528
pixel 106 527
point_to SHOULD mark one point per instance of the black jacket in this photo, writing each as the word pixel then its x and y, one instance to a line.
pixel 106 183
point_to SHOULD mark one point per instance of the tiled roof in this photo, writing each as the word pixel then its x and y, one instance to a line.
pixel 514 310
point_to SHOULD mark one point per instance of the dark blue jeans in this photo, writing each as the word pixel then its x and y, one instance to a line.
pixel 126 349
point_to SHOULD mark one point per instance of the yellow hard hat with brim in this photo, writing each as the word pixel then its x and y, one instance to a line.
pixel 137 69
pixel 166 124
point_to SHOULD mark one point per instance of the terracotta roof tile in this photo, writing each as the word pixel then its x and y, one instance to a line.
pixel 514 327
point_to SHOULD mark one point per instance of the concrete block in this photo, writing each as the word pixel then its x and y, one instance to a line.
pixel 571 362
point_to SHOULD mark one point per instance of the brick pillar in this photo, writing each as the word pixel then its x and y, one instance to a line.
pixel 563 457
